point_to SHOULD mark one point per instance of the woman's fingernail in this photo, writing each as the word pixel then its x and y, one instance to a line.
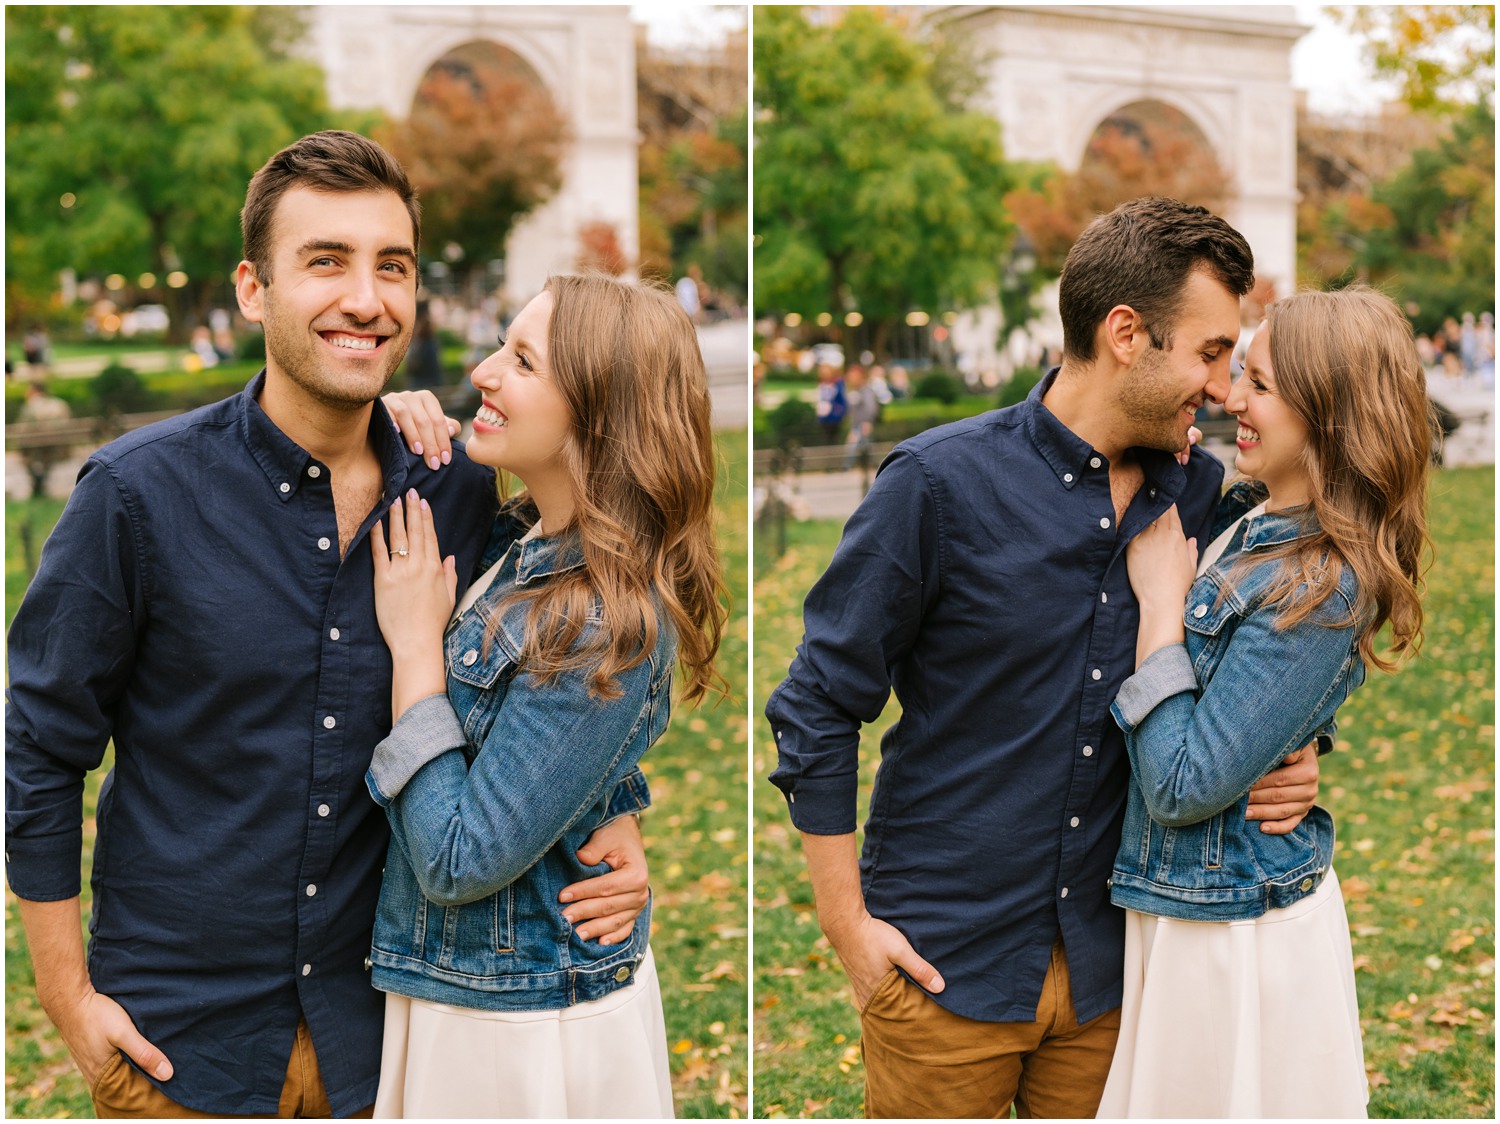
pixel 447 457
pixel 565 896
pixel 425 507
pixel 417 448
pixel 434 461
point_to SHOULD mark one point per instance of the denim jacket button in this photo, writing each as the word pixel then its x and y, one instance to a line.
pixel 367 963
pixel 1201 611
pixel 622 974
pixel 469 657
pixel 1306 885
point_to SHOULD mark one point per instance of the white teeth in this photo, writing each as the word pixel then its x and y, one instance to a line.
pixel 1245 433
pixel 356 343
pixel 490 417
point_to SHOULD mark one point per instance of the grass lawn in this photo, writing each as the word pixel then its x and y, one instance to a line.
pixel 1411 786
pixel 696 836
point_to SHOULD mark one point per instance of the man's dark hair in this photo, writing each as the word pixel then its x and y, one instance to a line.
pixel 332 160
pixel 1140 254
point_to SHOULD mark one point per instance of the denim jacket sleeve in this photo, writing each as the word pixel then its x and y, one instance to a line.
pixel 861 617
pixel 71 655
pixel 1195 753
pixel 470 830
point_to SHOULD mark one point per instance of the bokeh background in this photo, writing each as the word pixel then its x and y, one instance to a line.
pixel 919 176
pixel 542 139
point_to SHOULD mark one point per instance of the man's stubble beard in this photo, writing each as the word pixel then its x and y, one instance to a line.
pixel 1151 402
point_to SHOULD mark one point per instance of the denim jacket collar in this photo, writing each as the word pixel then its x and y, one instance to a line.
pixel 1068 455
pixel 1272 528
pixel 543 557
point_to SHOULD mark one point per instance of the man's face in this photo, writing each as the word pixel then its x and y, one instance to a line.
pixel 339 310
pixel 1165 387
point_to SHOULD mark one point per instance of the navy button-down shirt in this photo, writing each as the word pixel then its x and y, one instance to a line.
pixel 192 605
pixel 983 578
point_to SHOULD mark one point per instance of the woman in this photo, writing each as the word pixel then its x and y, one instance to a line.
pixel 1239 980
pixel 519 723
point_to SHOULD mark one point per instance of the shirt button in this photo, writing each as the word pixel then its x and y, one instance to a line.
pixel 1073 822
pixel 324 543
pixel 1067 478
pixel 324 809
pixel 1153 493
pixel 285 488
pixel 330 722
pixel 469 657
pixel 1088 751
pixel 1094 462
pixel 311 890
pixel 1064 891
pixel 1201 611
pixel 1097 674
pixel 314 471
pixel 1104 597
pixel 1104 522
pixel 622 974
pixel 333 634
pixel 307 969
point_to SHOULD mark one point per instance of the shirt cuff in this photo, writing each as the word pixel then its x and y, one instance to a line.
pixel 1164 673
pixel 45 869
pixel 823 805
pixel 427 730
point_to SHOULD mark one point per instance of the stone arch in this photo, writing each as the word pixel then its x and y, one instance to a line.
pixel 510 46
pixel 1215 132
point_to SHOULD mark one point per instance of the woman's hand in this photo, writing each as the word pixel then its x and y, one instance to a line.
pixel 1161 565
pixel 426 430
pixel 414 594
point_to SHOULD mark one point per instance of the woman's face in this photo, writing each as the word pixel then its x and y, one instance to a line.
pixel 523 422
pixel 1271 436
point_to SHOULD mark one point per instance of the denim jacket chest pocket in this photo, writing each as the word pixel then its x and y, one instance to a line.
pixel 1209 619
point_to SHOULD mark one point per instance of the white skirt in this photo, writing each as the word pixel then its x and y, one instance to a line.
pixel 1252 1018
pixel 607 1058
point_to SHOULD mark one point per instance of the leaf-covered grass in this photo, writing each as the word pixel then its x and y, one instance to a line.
pixel 697 840
pixel 1411 787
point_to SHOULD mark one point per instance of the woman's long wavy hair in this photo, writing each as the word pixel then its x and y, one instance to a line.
pixel 640 455
pixel 1345 363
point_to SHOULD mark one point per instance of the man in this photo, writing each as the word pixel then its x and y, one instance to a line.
pixel 206 602
pixel 977 931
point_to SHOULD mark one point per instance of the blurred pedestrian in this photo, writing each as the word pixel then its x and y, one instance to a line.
pixel 832 403
pixel 863 412
pixel 424 362
pixel 36 346
pixel 40 406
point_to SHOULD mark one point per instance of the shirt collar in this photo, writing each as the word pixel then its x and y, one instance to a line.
pixel 286 463
pixel 1070 456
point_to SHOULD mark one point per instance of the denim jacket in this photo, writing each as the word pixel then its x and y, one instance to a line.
pixel 1204 720
pixel 490 791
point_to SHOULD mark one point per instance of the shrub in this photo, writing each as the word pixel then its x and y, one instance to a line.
pixel 939 385
pixel 794 420
pixel 118 389
pixel 1019 386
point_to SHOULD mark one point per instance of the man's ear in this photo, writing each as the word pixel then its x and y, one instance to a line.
pixel 1125 334
pixel 250 292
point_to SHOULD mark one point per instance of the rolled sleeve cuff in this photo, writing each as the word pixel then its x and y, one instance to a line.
pixel 45 869
pixel 427 730
pixel 823 805
pixel 630 797
pixel 1165 672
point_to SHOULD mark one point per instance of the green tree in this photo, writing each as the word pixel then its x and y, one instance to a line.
pixel 131 133
pixel 875 190
pixel 1438 253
